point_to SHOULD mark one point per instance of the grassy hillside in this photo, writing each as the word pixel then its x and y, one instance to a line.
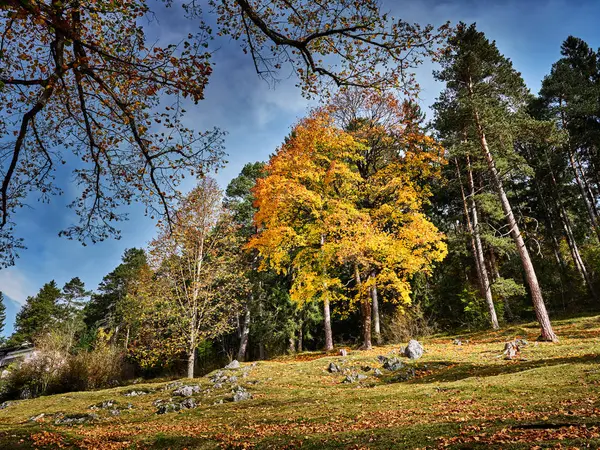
pixel 455 396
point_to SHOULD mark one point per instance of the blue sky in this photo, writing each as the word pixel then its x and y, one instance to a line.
pixel 258 117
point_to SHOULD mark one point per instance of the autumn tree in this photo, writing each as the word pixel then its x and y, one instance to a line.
pixel 197 260
pixel 80 85
pixel 317 215
pixel 485 101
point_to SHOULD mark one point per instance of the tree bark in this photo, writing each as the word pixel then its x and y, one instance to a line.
pixel 191 363
pixel 366 311
pixel 241 356
pixel 547 333
pixel 483 273
pixel 327 324
pixel 376 322
pixel 291 345
pixel 300 337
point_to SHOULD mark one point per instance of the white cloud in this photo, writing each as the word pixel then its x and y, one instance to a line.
pixel 15 285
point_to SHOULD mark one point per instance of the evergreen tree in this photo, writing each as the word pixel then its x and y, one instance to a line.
pixel 39 314
pixel 70 307
pixel 484 104
pixel 102 309
pixel 2 313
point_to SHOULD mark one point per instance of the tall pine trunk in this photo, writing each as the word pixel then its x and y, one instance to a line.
pixel 476 247
pixel 485 279
pixel 191 364
pixel 547 333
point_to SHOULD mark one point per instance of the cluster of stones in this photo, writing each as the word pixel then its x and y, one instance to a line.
pixel 66 419
pixel 113 407
pixel 183 396
pixel 414 350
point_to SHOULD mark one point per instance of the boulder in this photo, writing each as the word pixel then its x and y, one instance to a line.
pixel 382 359
pixel 393 364
pixel 361 377
pixel 377 373
pixel 511 350
pixel 235 364
pixel 241 394
pixel 75 419
pixel 188 403
pixel 343 352
pixel 186 391
pixel 414 350
pixel 457 342
pixel 5 405
pixel 167 408
pixel 349 379
pixel 37 417
pixel 106 404
pixel 333 368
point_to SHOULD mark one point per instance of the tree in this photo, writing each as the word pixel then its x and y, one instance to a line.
pixel 38 314
pixel 485 99
pixel 104 308
pixel 2 313
pixel 78 81
pixel 317 216
pixel 197 259
pixel 70 307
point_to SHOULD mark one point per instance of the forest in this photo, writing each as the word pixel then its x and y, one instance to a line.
pixel 373 223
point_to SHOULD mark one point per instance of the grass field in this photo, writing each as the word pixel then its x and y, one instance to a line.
pixel 464 396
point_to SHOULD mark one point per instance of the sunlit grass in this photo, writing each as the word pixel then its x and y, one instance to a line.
pixel 461 397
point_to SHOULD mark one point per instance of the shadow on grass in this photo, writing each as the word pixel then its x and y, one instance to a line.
pixel 460 371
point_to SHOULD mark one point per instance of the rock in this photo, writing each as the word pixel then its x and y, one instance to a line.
pixel 172 385
pixel 366 368
pixel 186 391
pixel 457 342
pixel 188 403
pixel 114 412
pixel 377 373
pixel 349 379
pixel 522 342
pixel 167 408
pixel 382 359
pixel 235 364
pixel 75 419
pixel 414 350
pixel 218 377
pixel 5 405
pixel 393 364
pixel 343 352
pixel 37 418
pixel 218 385
pixel 232 379
pixel 106 404
pixel 333 367
pixel 137 392
pixel 511 350
pixel 241 394
pixel 361 376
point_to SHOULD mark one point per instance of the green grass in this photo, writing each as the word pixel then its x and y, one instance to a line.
pixel 461 397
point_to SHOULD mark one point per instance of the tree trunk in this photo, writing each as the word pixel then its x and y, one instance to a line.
pixel 376 323
pixel 584 193
pixel 547 333
pixel 483 273
pixel 127 338
pixel 191 363
pixel 300 337
pixel 291 345
pixel 327 324
pixel 241 356
pixel 366 311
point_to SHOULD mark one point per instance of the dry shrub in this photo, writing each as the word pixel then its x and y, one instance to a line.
pixel 52 369
pixel 406 323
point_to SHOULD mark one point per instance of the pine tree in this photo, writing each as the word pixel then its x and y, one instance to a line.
pixel 2 313
pixel 484 102
pixel 39 314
